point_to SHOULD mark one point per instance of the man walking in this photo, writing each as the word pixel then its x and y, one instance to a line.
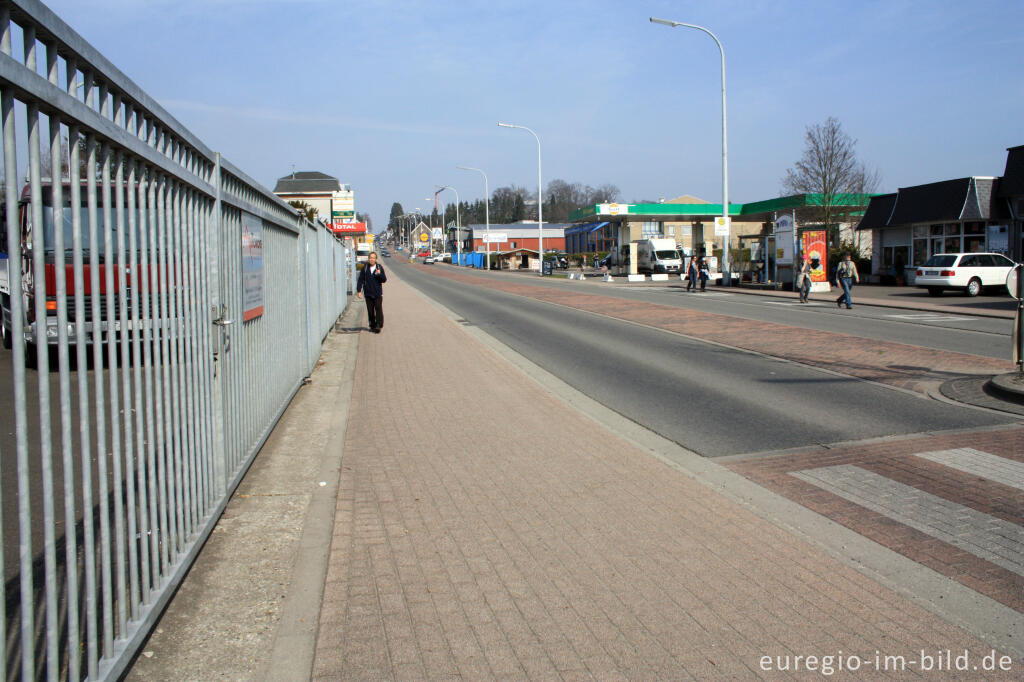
pixel 371 278
pixel 846 275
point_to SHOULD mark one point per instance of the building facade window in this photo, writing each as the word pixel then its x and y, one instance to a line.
pixel 650 229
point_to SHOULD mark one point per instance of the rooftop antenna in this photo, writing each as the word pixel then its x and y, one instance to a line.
pixel 293 171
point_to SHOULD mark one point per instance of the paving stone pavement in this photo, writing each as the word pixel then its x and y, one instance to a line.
pixel 485 530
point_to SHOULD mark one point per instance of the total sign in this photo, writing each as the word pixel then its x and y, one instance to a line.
pixel 613 209
pixel 722 225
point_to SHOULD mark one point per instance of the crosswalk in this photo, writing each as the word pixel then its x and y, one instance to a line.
pixel 926 317
pixel 932 513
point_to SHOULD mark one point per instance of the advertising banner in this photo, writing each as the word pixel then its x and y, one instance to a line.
pixel 813 244
pixel 496 237
pixel 722 225
pixel 348 228
pixel 343 205
pixel 784 239
pixel 252 267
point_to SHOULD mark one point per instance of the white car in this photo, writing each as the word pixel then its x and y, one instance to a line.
pixel 429 260
pixel 969 272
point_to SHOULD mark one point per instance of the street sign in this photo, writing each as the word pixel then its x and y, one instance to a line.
pixel 722 226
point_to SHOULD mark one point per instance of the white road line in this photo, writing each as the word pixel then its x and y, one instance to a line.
pixel 928 317
pixel 994 468
pixel 985 536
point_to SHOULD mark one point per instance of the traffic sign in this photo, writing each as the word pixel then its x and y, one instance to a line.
pixel 1012 281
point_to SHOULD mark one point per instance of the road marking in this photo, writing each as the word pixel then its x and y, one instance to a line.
pixel 999 469
pixel 795 303
pixel 985 536
pixel 928 317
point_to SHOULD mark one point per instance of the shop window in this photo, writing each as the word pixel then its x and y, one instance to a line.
pixel 920 251
pixel 951 229
pixel 935 230
pixel 952 245
pixel 920 231
pixel 974 244
pixel 974 228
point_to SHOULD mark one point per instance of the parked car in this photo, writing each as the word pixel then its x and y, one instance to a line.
pixel 969 272
pixel 386 254
pixel 428 260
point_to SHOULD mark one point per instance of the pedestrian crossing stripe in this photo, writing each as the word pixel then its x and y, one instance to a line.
pixel 927 317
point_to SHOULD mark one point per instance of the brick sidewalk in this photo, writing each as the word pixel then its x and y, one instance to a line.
pixel 485 530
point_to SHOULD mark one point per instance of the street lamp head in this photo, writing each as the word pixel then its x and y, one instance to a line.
pixel 665 22
pixel 507 125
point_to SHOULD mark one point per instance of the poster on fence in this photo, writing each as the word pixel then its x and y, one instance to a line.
pixel 252 267
pixel 813 244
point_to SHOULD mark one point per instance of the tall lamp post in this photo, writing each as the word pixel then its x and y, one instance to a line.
pixel 540 198
pixel 458 224
pixel 725 141
pixel 487 211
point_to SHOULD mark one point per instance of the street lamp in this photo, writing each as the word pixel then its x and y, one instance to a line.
pixel 725 143
pixel 458 224
pixel 540 199
pixel 487 211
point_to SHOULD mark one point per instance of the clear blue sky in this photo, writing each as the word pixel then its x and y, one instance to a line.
pixel 391 96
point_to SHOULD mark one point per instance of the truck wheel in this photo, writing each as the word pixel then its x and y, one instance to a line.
pixel 973 287
pixel 935 291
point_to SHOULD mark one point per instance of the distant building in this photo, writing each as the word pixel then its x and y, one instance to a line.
pixel 521 235
pixel 333 201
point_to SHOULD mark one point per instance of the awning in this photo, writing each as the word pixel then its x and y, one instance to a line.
pixel 585 228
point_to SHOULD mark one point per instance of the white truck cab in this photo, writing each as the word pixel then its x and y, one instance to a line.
pixel 658 255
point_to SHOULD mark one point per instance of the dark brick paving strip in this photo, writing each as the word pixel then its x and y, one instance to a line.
pixel 895 460
pixel 896 364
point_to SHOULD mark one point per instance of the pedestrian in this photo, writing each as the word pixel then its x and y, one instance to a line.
pixel 803 279
pixel 692 273
pixel 846 275
pixel 705 274
pixel 371 277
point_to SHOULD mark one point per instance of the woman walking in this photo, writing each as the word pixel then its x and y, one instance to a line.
pixel 692 274
pixel 371 278
pixel 803 280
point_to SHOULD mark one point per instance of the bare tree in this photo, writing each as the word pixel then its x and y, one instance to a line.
pixel 829 167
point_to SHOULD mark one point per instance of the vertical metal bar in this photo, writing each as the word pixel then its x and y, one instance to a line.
pixel 127 598
pixel 14 250
pixel 39 295
pixel 113 553
pixel 192 385
pixel 59 260
pixel 146 264
pixel 163 360
pixel 78 284
pixel 214 282
pixel 135 225
pixel 88 535
pixel 156 183
pixel 174 251
pixel 110 266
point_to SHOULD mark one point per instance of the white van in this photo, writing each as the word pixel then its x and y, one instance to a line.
pixel 658 255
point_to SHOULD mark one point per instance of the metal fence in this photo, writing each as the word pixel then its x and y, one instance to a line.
pixel 161 309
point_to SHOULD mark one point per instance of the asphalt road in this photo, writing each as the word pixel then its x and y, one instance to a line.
pixel 953 331
pixel 713 400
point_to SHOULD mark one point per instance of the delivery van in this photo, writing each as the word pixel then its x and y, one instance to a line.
pixel 657 256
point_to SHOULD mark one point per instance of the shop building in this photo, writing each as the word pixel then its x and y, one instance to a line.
pixel 513 236
pixel 964 215
pixel 759 252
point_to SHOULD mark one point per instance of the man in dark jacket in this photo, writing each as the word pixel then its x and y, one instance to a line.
pixel 370 279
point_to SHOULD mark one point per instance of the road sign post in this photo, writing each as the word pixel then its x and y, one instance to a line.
pixel 1015 285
